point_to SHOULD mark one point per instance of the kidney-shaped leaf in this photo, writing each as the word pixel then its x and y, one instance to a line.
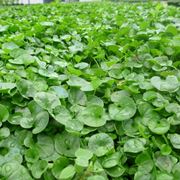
pixel 67 144
pixel 170 84
pixel 159 126
pixel 100 144
pixel 47 100
pixel 165 163
pixel 134 145
pixel 92 115
pixel 175 140
pixel 122 110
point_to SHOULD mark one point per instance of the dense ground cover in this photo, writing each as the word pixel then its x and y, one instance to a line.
pixel 90 91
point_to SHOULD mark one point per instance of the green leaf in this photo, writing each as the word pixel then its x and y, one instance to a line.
pixel 5 87
pixel 38 168
pixel 175 140
pixel 165 163
pixel 116 171
pixel 60 91
pixel 124 108
pixel 47 100
pixel 4 132
pixel 59 165
pixel 3 28
pixel 45 145
pixel 159 127
pixel 100 144
pixel 93 116
pixel 31 155
pixel 47 23
pixel 83 156
pixel 9 46
pixel 14 170
pixel 170 84
pixel 77 96
pixel 84 153
pixel 176 170
pixel 165 149
pixel 134 145
pixel 81 65
pixel 164 176
pixel 173 108
pixel 67 172
pixel 74 125
pixel 4 115
pixel 25 59
pixel 96 177
pixel 40 122
pixel 142 176
pixel 89 91
pixel 62 115
pixel 67 144
pixel 144 162
pixel 76 81
pixel 26 120
pixel 171 29
pixel 111 160
pixel 26 88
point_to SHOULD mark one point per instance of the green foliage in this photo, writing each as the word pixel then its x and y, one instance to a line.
pixel 90 91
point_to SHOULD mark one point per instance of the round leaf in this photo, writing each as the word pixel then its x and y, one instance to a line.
pixel 38 168
pixel 31 155
pixel 100 144
pixel 67 144
pixel 123 109
pixel 26 88
pixel 93 116
pixel 62 115
pixel 111 160
pixel 170 84
pixel 4 132
pixel 159 127
pixel 134 145
pixel 175 140
pixel 47 100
